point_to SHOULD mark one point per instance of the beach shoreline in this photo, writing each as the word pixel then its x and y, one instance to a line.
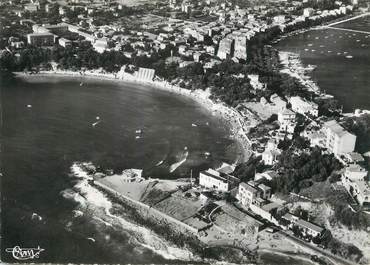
pixel 227 114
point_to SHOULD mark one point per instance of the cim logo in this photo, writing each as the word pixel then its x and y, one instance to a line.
pixel 25 253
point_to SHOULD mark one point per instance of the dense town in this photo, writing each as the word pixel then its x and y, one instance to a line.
pixel 303 175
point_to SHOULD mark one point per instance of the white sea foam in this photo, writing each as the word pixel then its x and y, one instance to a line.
pixel 143 236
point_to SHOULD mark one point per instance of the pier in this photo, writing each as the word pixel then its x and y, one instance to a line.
pixel 348 19
pixel 351 30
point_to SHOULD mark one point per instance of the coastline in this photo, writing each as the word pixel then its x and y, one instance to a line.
pixel 229 115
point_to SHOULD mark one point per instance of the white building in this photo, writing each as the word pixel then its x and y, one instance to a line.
pixel 268 175
pixel 41 39
pixel 278 103
pixel 255 83
pixel 32 7
pixel 101 45
pixel 64 42
pixel 304 107
pixel 225 48
pixel 355 180
pixel 307 12
pixel 241 48
pixel 271 153
pixel 247 194
pixel 337 139
pixel 215 180
pixel 286 119
pixel 307 227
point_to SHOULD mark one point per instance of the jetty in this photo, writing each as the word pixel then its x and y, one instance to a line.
pixel 348 19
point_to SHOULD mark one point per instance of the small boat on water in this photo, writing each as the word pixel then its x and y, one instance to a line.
pixel 349 56
pixel 95 123
pixel 97 117
pixel 29 106
pixel 309 45
pixel 137 137
pixel 194 125
pixel 207 153
pixel 139 131
pixel 81 84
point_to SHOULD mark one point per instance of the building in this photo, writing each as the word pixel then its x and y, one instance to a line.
pixel 216 180
pixel 307 228
pixel 271 153
pixel 278 103
pixel 41 39
pixel 31 7
pixel 356 181
pixel 352 158
pixel 101 45
pixel 307 12
pixel 247 194
pixel 286 119
pixel 132 175
pixel 304 107
pixel 268 175
pixel 240 51
pixel 64 42
pixel 225 48
pixel 145 74
pixel 337 139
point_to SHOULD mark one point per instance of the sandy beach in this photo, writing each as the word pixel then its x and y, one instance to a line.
pixel 228 114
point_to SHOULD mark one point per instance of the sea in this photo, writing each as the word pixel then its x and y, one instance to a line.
pixel 48 123
pixel 341 57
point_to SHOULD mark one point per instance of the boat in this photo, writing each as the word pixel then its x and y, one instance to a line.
pixel 139 131
pixel 95 123
pixel 194 125
pixel 97 117
pixel 207 153
pixel 137 137
pixel 29 106
pixel 349 56
pixel 81 84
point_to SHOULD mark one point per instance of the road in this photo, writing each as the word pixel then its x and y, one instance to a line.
pixel 336 259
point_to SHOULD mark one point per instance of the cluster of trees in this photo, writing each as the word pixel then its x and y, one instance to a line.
pixel 300 171
pixel 246 171
pixel 360 126
pixel 67 58
pixel 347 251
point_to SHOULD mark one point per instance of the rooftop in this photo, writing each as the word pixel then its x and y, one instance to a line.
pixel 334 126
